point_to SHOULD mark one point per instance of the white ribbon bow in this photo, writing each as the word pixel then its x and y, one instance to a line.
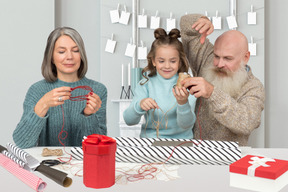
pixel 257 162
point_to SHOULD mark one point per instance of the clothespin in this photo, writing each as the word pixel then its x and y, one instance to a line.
pixel 131 41
pixel 252 40
pixel 112 36
pixel 156 15
pixel 125 9
pixel 143 12
pixel 171 14
pixel 206 14
pixel 252 9
pixel 142 44
pixel 216 13
pixel 118 6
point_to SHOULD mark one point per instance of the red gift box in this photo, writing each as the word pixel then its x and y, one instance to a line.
pixel 99 161
pixel 259 173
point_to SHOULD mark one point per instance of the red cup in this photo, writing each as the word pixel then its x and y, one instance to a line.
pixel 99 161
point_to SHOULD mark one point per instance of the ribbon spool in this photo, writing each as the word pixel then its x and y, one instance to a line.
pixel 99 161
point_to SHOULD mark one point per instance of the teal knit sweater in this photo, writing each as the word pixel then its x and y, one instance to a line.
pixel 33 130
pixel 180 118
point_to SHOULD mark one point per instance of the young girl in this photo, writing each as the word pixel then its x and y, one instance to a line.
pixel 168 110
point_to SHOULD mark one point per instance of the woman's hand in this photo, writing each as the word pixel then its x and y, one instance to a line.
pixel 53 98
pixel 148 103
pixel 181 95
pixel 93 104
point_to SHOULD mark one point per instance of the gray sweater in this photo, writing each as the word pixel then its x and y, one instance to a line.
pixel 33 130
pixel 233 119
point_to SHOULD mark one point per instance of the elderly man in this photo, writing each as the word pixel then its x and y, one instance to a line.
pixel 230 98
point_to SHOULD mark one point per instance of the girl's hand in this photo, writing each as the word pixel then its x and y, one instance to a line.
pixel 53 98
pixel 93 104
pixel 148 103
pixel 181 95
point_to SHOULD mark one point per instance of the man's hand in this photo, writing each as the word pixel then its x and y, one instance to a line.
pixel 204 26
pixel 199 87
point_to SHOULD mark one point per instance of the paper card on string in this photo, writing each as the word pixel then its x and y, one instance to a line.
pixel 252 18
pixel 171 24
pixel 130 49
pixel 114 16
pixel 142 21
pixel 142 53
pixel 232 23
pixel 252 49
pixel 155 22
pixel 110 46
pixel 124 18
pixel 217 23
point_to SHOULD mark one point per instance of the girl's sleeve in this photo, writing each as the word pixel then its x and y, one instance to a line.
pixel 185 113
pixel 132 115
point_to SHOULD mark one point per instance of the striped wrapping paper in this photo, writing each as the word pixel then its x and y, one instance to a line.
pixel 25 176
pixel 141 150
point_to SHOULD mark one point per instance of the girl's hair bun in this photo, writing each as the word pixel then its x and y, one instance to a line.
pixel 160 33
pixel 174 33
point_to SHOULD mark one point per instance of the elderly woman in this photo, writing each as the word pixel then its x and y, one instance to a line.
pixel 51 117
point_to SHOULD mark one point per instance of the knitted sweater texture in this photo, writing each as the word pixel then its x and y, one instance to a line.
pixel 176 121
pixel 33 130
pixel 229 118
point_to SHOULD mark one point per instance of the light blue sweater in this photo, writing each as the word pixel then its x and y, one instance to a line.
pixel 33 130
pixel 180 118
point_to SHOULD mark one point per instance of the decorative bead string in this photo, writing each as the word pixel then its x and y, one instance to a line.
pixel 60 135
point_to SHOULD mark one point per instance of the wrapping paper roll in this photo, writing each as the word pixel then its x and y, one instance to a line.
pixel 25 176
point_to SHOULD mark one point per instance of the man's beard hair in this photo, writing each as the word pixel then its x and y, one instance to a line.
pixel 227 81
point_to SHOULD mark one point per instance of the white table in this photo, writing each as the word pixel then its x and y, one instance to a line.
pixel 192 178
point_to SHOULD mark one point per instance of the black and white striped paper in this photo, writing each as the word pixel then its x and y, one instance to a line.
pixel 141 150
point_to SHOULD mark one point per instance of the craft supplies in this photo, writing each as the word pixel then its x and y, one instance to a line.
pixel 51 152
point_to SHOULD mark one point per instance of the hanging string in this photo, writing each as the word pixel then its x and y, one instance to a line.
pixel 157 124
pixel 64 134
pixel 147 171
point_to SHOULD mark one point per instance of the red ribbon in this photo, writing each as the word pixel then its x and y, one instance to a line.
pixel 96 139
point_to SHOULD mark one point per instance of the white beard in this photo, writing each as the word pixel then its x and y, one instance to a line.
pixel 227 81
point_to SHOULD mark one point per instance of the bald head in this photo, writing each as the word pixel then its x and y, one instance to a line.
pixel 234 39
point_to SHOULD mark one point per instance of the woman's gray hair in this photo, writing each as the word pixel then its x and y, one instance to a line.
pixel 48 68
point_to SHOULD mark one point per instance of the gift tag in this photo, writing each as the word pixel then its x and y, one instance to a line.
pixel 217 21
pixel 110 45
pixel 171 23
pixel 114 16
pixel 130 49
pixel 155 22
pixel 252 47
pixel 232 23
pixel 142 21
pixel 251 17
pixel 142 52
pixel 125 16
